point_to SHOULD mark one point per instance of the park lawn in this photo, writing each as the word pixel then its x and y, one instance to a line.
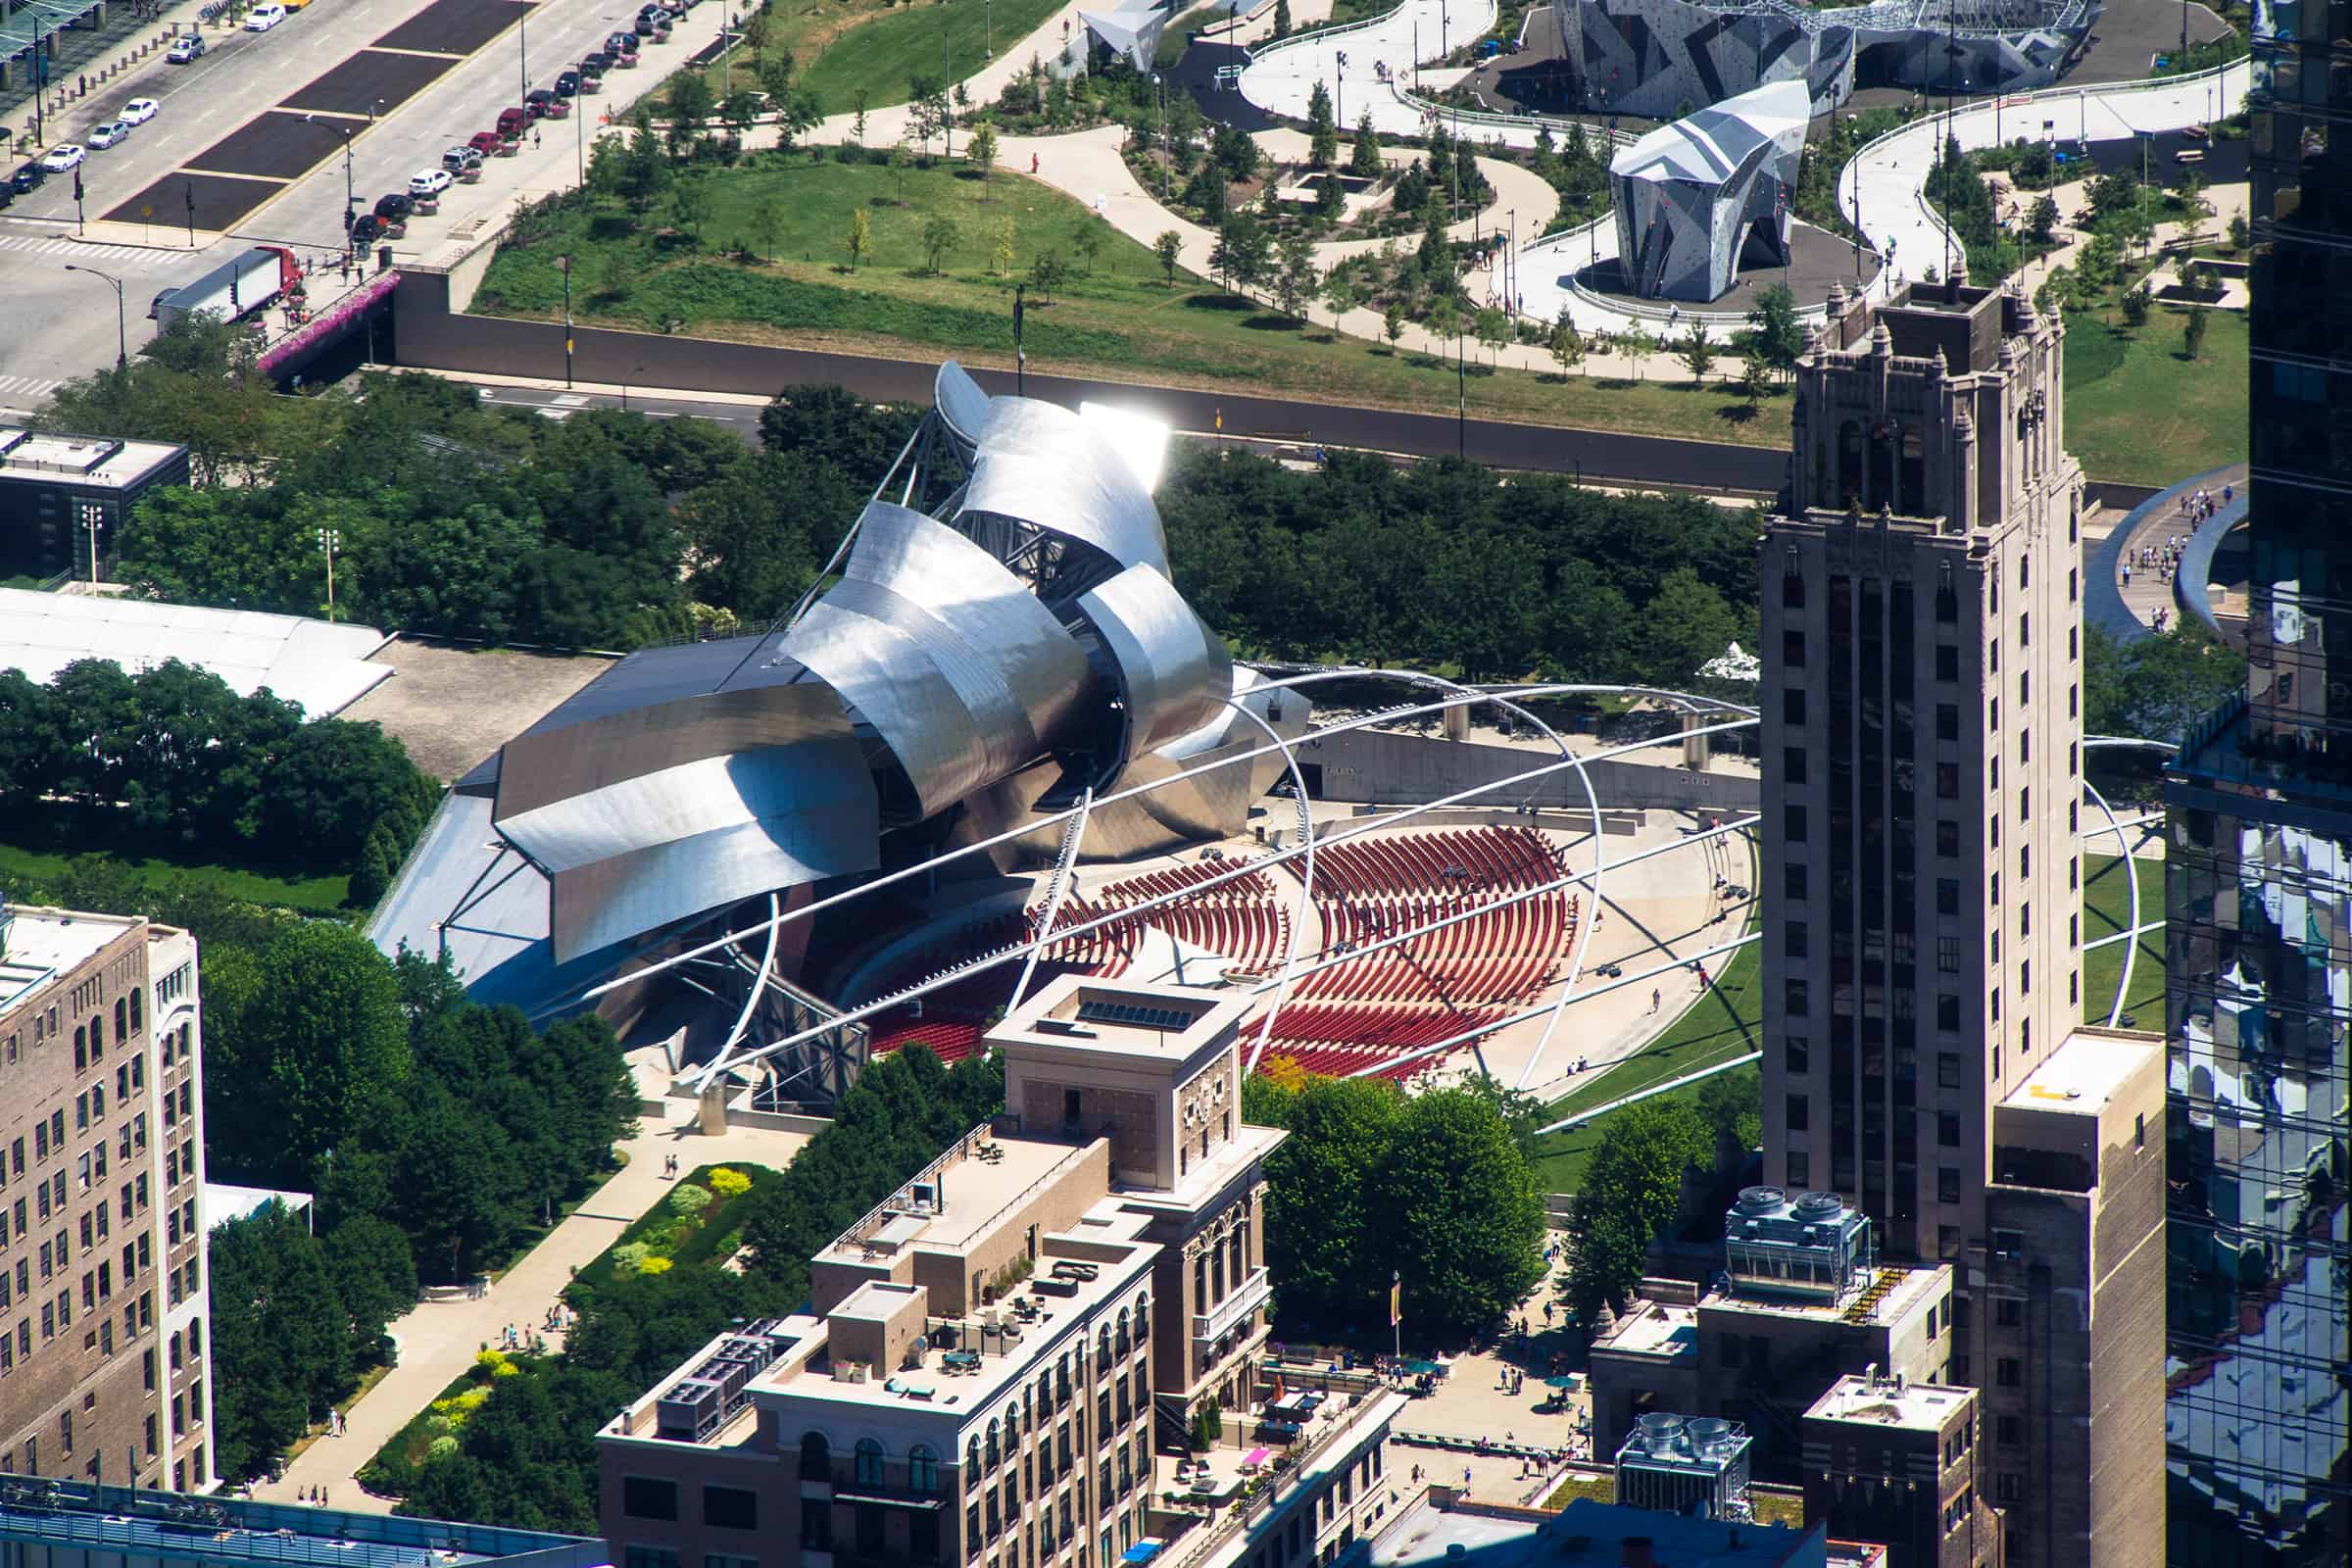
pixel 2139 413
pixel 1726 1024
pixel 1123 323
pixel 36 846
pixel 941 41
pixel 2107 910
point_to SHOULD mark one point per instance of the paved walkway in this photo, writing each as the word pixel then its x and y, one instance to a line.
pixel 2126 611
pixel 437 1339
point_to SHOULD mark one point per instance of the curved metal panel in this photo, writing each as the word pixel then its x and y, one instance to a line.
pixel 1174 673
pixel 1041 464
pixel 961 404
pixel 891 680
pixel 1018 670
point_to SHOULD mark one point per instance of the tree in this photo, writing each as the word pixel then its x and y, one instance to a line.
pixel 280 1341
pixel 1493 331
pixel 690 203
pixel 767 230
pixel 1322 1206
pixel 1295 275
pixel 315 1057
pixel 1282 19
pixel 1169 248
pixel 1002 256
pixel 759 531
pixel 857 102
pixel 1632 1191
pixel 2156 687
pixel 1243 256
pixel 2136 302
pixel 1088 239
pixel 1339 292
pixel 1775 331
pixel 861 235
pixel 1696 351
pixel 940 235
pixel 933 115
pixel 688 102
pixel 1443 318
pixel 2240 234
pixel 1364 159
pixel 896 160
pixel 2192 331
pixel 1391 323
pixel 981 149
pixel 1048 274
pixel 645 171
pixel 1459 1204
pixel 1691 624
pixel 1567 348
pixel 1322 131
pixel 1755 373
pixel 775 73
pixel 2042 221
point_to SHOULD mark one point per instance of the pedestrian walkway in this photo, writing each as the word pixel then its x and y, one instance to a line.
pixel 437 1339
pixel 2133 575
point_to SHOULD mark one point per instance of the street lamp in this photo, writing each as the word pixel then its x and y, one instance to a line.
pixel 1166 181
pixel 563 265
pixel 330 540
pixel 1396 1309
pixel 122 335
pixel 522 55
pixel 987 48
pixel 1339 86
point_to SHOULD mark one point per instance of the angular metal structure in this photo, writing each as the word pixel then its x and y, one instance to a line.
pixel 1693 197
pixel 1661 58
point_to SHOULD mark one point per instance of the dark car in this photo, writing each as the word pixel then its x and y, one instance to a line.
pixel 567 83
pixel 623 47
pixel 594 66
pixel 27 179
pixel 364 230
pixel 545 103
pixel 8 194
pixel 394 209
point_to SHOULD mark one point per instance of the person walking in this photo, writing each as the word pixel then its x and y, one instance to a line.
pixel 1655 999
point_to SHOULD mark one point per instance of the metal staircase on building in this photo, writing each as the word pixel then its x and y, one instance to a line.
pixel 1865 1306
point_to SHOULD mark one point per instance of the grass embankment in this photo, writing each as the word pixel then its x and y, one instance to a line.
pixel 2106 912
pixel 1117 318
pixel 36 847
pixel 1725 1024
pixel 2140 410
pixel 882 53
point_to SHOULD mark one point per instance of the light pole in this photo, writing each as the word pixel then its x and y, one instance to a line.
pixel 1166 182
pixel 330 540
pixel 522 56
pixel 563 265
pixel 1339 88
pixel 579 141
pixel 988 47
pixel 350 196
pixel 93 519
pixel 1397 1310
pixel 122 336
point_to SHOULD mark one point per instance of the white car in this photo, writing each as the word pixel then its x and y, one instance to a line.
pixel 108 135
pixel 62 157
pixel 139 111
pixel 261 18
pixel 428 183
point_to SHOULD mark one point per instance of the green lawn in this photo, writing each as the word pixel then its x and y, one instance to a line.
pixel 941 41
pixel 36 847
pixel 2106 910
pixel 1725 1025
pixel 2137 411
pixel 1123 323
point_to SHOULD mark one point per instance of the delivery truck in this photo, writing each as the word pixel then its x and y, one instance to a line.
pixel 232 290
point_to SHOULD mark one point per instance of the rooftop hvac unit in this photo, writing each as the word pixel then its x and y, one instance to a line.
pixel 691 1411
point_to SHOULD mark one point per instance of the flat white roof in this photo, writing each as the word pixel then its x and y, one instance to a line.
pixel 1924 1405
pixel 2082 1075
pixel 321 666
pixel 44 942
pixel 99 460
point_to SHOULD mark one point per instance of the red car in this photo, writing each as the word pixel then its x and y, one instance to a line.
pixel 485 143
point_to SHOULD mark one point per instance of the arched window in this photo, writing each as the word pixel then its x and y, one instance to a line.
pixel 816 1457
pixel 870 1462
pixel 1102 1342
pixel 139 1008
pixel 121 1019
pixel 971 1462
pixel 1122 1338
pixel 922 1469
pixel 1143 1317
pixel 81 1046
pixel 1911 475
pixel 1849 464
pixel 992 1444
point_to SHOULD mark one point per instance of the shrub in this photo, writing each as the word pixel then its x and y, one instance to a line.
pixel 729 1182
pixel 654 1265
pixel 442 1448
pixel 690 1199
pixel 629 1256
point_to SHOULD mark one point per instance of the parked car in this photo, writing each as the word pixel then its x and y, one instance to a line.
pixel 186 49
pixel 592 72
pixel 654 27
pixel 391 214
pixel 459 159
pixel 27 179
pixel 364 230
pixel 623 47
pixel 113 133
pixel 513 123
pixel 261 18
pixel 485 143
pixel 567 83
pixel 428 184
pixel 545 103
pixel 139 111
pixel 62 157
pixel 7 193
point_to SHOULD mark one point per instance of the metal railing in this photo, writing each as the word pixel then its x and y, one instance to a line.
pixel 1557 124
pixel 1334 31
pixel 1282 1487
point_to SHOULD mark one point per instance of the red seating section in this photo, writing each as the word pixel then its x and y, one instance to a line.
pixel 1373 1009
pixel 1358 1015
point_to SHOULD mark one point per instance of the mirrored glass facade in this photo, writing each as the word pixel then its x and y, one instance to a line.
pixel 2259 897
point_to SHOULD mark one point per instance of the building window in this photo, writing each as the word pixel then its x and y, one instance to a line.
pixel 1948 657
pixel 1947 781
pixel 1792 937
pixel 1793 764
pixel 1793 823
pixel 1792 880
pixel 1797 998
pixel 641 1497
pixel 638 1556
pixel 1947 721
pixel 817 1456
pixel 730 1508
pixel 870 1462
pixel 1799 1113
pixel 2008 1312
pixel 1948 1184
pixel 1947 960
pixel 1792 649
pixel 2006 1372
pixel 1948 1129
pixel 1797 1052
pixel 1792 706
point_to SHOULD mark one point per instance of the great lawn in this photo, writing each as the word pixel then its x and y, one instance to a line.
pixel 877 46
pixel 767 261
pixel 2140 410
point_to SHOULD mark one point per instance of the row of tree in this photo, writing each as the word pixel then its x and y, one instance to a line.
pixel 170 758
pixel 527 1459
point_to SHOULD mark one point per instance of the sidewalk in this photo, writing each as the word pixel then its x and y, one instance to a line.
pixel 437 1339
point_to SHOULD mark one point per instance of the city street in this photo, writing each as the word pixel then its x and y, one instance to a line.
pixel 333 63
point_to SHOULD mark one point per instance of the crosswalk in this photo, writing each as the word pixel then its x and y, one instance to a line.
pixel 123 258
pixel 26 391
pixel 564 407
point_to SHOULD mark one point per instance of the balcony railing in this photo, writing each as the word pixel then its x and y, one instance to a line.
pixel 1238 1303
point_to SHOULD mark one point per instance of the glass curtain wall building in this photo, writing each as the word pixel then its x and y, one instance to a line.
pixel 2259 895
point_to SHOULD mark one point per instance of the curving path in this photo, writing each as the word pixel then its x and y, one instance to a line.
pixel 1880 190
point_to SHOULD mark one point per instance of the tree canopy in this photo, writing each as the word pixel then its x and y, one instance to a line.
pixel 2157 686
pixel 1630 1193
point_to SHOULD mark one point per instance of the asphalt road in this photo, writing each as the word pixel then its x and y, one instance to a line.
pixel 59 325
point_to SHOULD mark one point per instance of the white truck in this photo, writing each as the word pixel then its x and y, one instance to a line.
pixel 234 289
